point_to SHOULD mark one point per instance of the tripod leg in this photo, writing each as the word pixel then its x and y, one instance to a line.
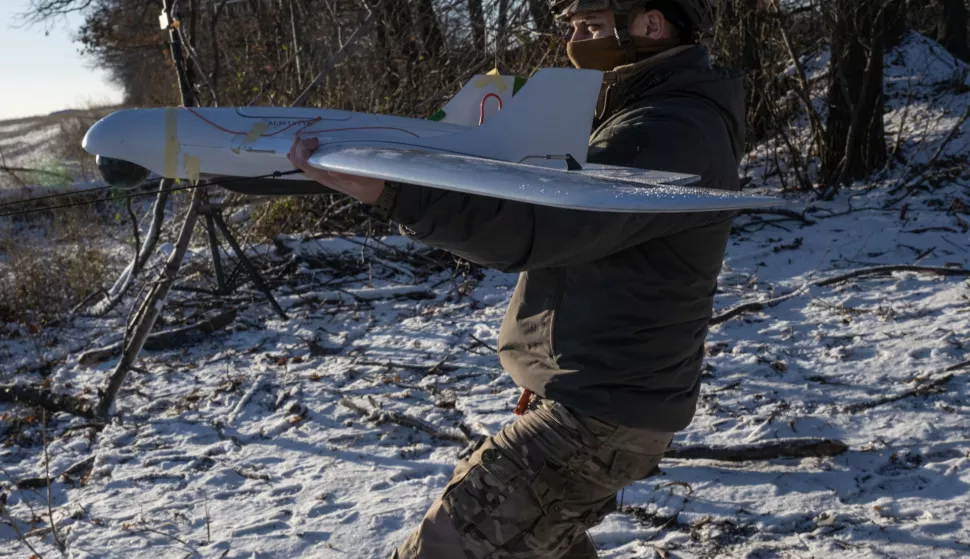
pixel 214 248
pixel 257 279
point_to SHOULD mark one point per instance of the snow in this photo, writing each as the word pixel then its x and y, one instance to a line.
pixel 239 446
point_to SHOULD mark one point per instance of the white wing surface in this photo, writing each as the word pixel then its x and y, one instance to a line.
pixel 601 189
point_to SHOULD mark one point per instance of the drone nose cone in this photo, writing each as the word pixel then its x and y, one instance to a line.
pixel 104 136
pixel 135 135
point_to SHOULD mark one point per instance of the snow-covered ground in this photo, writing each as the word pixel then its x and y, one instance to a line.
pixel 250 443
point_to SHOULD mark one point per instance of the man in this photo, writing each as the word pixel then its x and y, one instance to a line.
pixel 608 321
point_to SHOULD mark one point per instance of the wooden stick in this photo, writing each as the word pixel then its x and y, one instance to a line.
pixel 151 309
pixel 755 306
pixel 51 401
pixel 921 390
pixel 168 339
pixel 383 416
pixel 769 450
pixel 882 270
pixel 865 272
pixel 798 216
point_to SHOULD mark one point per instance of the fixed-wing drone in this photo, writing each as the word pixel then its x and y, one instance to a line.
pixel 530 148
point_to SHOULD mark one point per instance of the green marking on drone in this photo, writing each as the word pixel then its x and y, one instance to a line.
pixel 438 116
pixel 519 82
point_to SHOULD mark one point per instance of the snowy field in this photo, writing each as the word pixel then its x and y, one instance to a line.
pixel 329 434
pixel 51 144
pixel 22 139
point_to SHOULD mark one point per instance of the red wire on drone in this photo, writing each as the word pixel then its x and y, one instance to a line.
pixel 303 130
pixel 481 111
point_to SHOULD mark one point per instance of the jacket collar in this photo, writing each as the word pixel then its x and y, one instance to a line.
pixel 631 81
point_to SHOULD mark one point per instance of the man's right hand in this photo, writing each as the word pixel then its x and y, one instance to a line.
pixel 365 189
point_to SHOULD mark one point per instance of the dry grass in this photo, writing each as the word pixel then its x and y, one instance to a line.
pixel 50 262
pixel 47 269
pixel 327 213
pixel 72 129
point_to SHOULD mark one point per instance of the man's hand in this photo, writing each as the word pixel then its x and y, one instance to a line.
pixel 365 189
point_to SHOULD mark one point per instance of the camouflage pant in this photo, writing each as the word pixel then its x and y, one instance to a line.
pixel 532 490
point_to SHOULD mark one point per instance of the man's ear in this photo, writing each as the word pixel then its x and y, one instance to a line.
pixel 652 24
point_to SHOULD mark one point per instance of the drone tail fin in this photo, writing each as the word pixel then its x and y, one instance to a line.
pixel 551 115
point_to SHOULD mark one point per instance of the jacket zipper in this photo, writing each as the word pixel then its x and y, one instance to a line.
pixel 556 302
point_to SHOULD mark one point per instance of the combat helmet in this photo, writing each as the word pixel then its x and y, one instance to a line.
pixel 693 17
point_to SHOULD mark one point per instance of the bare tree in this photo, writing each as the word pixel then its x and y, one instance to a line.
pixel 432 39
pixel 502 29
pixel 542 16
pixel 476 14
pixel 42 10
pixel 953 28
pixel 855 137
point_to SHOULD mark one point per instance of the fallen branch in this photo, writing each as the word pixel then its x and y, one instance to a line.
pixel 434 367
pixel 932 230
pixel 755 306
pixel 483 344
pixel 365 295
pixel 865 272
pixel 922 390
pixel 882 270
pixel 50 401
pixel 797 216
pixel 934 387
pixel 383 416
pixel 769 450
pixel 169 339
pixel 79 469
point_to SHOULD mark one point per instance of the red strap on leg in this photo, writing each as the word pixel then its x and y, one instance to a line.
pixel 524 400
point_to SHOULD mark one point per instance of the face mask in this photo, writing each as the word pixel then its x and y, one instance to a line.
pixel 605 54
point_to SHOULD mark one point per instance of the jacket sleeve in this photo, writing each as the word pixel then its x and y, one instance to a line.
pixel 515 236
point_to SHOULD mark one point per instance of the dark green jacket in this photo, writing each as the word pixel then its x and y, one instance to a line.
pixel 611 310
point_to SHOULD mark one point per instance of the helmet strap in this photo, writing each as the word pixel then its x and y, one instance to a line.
pixel 622 29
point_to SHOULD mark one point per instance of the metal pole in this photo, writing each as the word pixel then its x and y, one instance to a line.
pixel 253 274
pixel 169 21
pixel 214 248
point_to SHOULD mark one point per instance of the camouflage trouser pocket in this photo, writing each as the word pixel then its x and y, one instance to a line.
pixel 532 490
pixel 503 510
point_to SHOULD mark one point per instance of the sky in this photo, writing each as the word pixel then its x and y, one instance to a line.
pixel 42 73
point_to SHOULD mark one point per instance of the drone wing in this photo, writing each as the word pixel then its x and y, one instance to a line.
pixel 601 188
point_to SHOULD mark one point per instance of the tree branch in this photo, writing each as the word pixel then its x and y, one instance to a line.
pixel 921 390
pixel 770 450
pixel 883 270
pixel 51 401
pixel 337 57
pixel 169 339
pixel 865 272
pixel 383 416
